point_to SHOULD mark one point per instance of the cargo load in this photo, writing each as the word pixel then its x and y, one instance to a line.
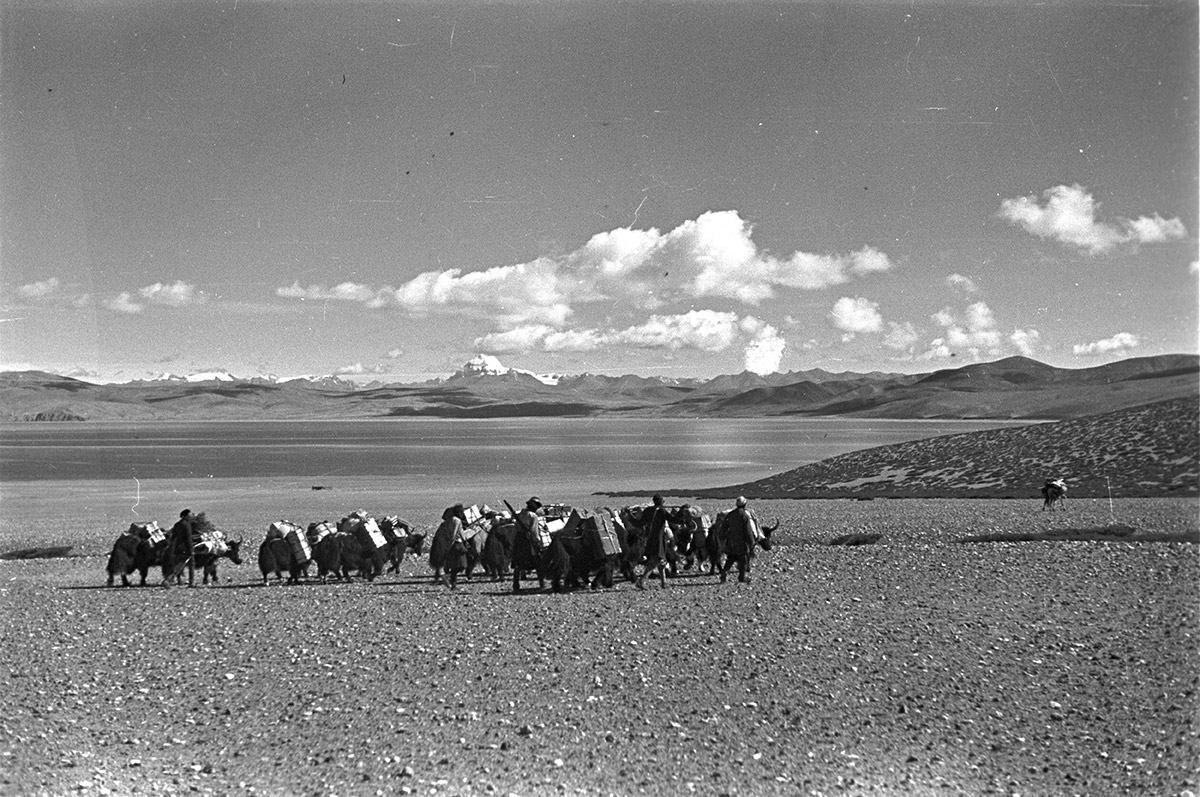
pixel 368 533
pixel 149 531
pixel 555 517
pixel 753 526
pixel 596 529
pixel 319 531
pixel 296 539
pixel 472 514
pixel 212 541
pixel 478 519
pixel 473 530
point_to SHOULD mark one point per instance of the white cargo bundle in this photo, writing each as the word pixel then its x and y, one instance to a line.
pixel 374 533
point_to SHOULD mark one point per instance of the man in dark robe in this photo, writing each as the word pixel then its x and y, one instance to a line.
pixel 741 535
pixel 182 547
pixel 660 542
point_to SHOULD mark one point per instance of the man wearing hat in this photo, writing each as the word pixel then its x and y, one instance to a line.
pixel 660 543
pixel 531 523
pixel 182 546
pixel 741 532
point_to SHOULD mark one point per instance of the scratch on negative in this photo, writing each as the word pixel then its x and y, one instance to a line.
pixel 638 210
pixel 1054 76
pixel 138 499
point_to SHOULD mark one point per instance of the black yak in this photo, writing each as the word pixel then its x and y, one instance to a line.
pixel 140 548
pixel 496 559
pixel 717 541
pixel 401 540
pixel 592 547
pixel 285 549
pixel 208 546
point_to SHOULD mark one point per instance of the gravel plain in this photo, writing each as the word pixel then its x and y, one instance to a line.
pixel 918 665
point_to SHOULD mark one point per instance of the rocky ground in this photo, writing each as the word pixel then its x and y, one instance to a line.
pixel 918 665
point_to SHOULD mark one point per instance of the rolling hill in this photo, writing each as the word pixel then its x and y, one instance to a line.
pixel 1150 450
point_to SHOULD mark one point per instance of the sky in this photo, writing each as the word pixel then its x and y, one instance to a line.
pixel 385 191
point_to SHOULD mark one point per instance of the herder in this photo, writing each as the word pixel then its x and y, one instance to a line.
pixel 660 543
pixel 741 536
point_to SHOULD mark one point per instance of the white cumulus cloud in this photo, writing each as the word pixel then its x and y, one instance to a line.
pixel 1118 343
pixel 41 289
pixel 704 330
pixel 713 255
pixel 123 303
pixel 856 315
pixel 765 350
pixel 901 337
pixel 1026 341
pixel 965 284
pixel 176 294
pixel 517 340
pixel 974 333
pixel 1068 214
pixel 357 368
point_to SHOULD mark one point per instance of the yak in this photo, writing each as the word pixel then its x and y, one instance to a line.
pixel 552 563
pixel 401 540
pixel 496 558
pixel 205 557
pixel 690 525
pixel 277 555
pixel 210 545
pixel 716 541
pixel 140 548
pixel 588 563
pixel 339 553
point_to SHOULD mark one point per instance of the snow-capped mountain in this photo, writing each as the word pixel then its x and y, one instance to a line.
pixel 487 365
pixel 206 376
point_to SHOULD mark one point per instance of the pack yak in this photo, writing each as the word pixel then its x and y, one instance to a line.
pixel 139 548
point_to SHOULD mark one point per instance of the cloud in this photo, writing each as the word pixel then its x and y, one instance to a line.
pixel 574 340
pixel 965 284
pixel 1118 343
pixel 357 369
pixel 38 290
pixel 395 354
pixel 521 339
pixel 123 303
pixel 177 294
pixel 765 350
pixel 702 330
pixel 639 270
pixel 974 333
pixel 856 315
pixel 343 292
pixel 977 330
pixel 1069 215
pixel 1026 340
pixel 901 337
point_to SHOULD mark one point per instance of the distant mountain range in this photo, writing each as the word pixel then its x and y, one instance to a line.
pixel 1012 388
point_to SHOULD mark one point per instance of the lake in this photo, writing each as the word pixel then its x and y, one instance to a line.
pixel 81 484
pixel 619 452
